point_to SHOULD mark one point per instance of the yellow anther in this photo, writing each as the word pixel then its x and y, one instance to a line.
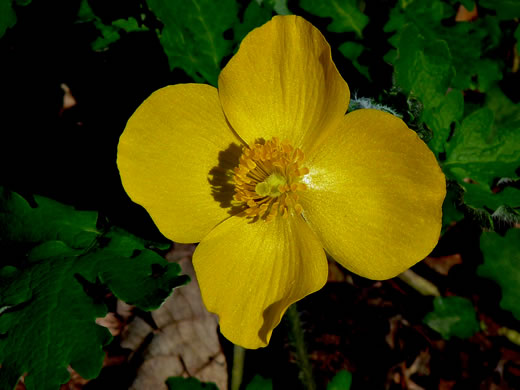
pixel 303 171
pixel 268 178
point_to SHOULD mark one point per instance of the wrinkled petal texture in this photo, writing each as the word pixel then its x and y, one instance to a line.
pixel 375 195
pixel 282 82
pixel 165 155
pixel 249 274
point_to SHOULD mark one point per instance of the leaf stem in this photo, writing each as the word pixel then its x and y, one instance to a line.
pixel 237 371
pixel 297 340
pixel 420 284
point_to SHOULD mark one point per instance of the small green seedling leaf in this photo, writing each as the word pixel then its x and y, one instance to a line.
pixel 345 14
pixel 341 381
pixel 260 383
pixel 453 316
pixel 502 264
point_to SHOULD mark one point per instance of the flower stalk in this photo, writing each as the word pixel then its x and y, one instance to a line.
pixel 237 372
pixel 297 341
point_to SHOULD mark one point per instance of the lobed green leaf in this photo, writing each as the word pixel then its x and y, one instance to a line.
pixel 341 381
pixel 346 15
pixel 423 67
pixel 260 383
pixel 502 264
pixel 505 9
pixel 255 15
pixel 192 36
pixel 453 316
pixel 50 301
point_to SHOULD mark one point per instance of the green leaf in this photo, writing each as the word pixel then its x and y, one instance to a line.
pixel 345 14
pixel 179 383
pixel 451 204
pixel 468 4
pixel 111 33
pixel 488 73
pixel 279 6
pixel 85 13
pixel 423 67
pixel 505 9
pixel 192 36
pixel 19 222
pixel 255 15
pixel 502 264
pixel 7 16
pixel 453 316
pixel 49 303
pixel 352 50
pixel 471 42
pixel 108 33
pixel 128 25
pixel 507 113
pixel 478 154
pixel 441 118
pixel 260 383
pixel 341 381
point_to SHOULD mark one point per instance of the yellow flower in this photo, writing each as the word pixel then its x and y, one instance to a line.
pixel 267 172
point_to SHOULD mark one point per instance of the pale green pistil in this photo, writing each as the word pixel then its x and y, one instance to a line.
pixel 270 186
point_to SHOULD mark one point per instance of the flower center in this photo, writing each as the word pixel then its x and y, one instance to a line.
pixel 269 187
pixel 268 179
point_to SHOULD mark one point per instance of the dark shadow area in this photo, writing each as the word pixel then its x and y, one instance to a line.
pixel 221 178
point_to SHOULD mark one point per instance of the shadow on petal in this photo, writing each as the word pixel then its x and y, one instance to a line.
pixel 221 179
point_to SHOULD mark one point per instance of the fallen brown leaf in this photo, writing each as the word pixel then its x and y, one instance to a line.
pixel 186 342
pixel 463 15
pixel 443 264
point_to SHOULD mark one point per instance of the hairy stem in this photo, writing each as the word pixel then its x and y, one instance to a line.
pixel 297 340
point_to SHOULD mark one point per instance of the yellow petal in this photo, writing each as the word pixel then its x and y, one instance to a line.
pixel 165 156
pixel 375 195
pixel 249 274
pixel 282 82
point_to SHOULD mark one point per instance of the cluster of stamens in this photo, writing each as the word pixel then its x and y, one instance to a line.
pixel 267 179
